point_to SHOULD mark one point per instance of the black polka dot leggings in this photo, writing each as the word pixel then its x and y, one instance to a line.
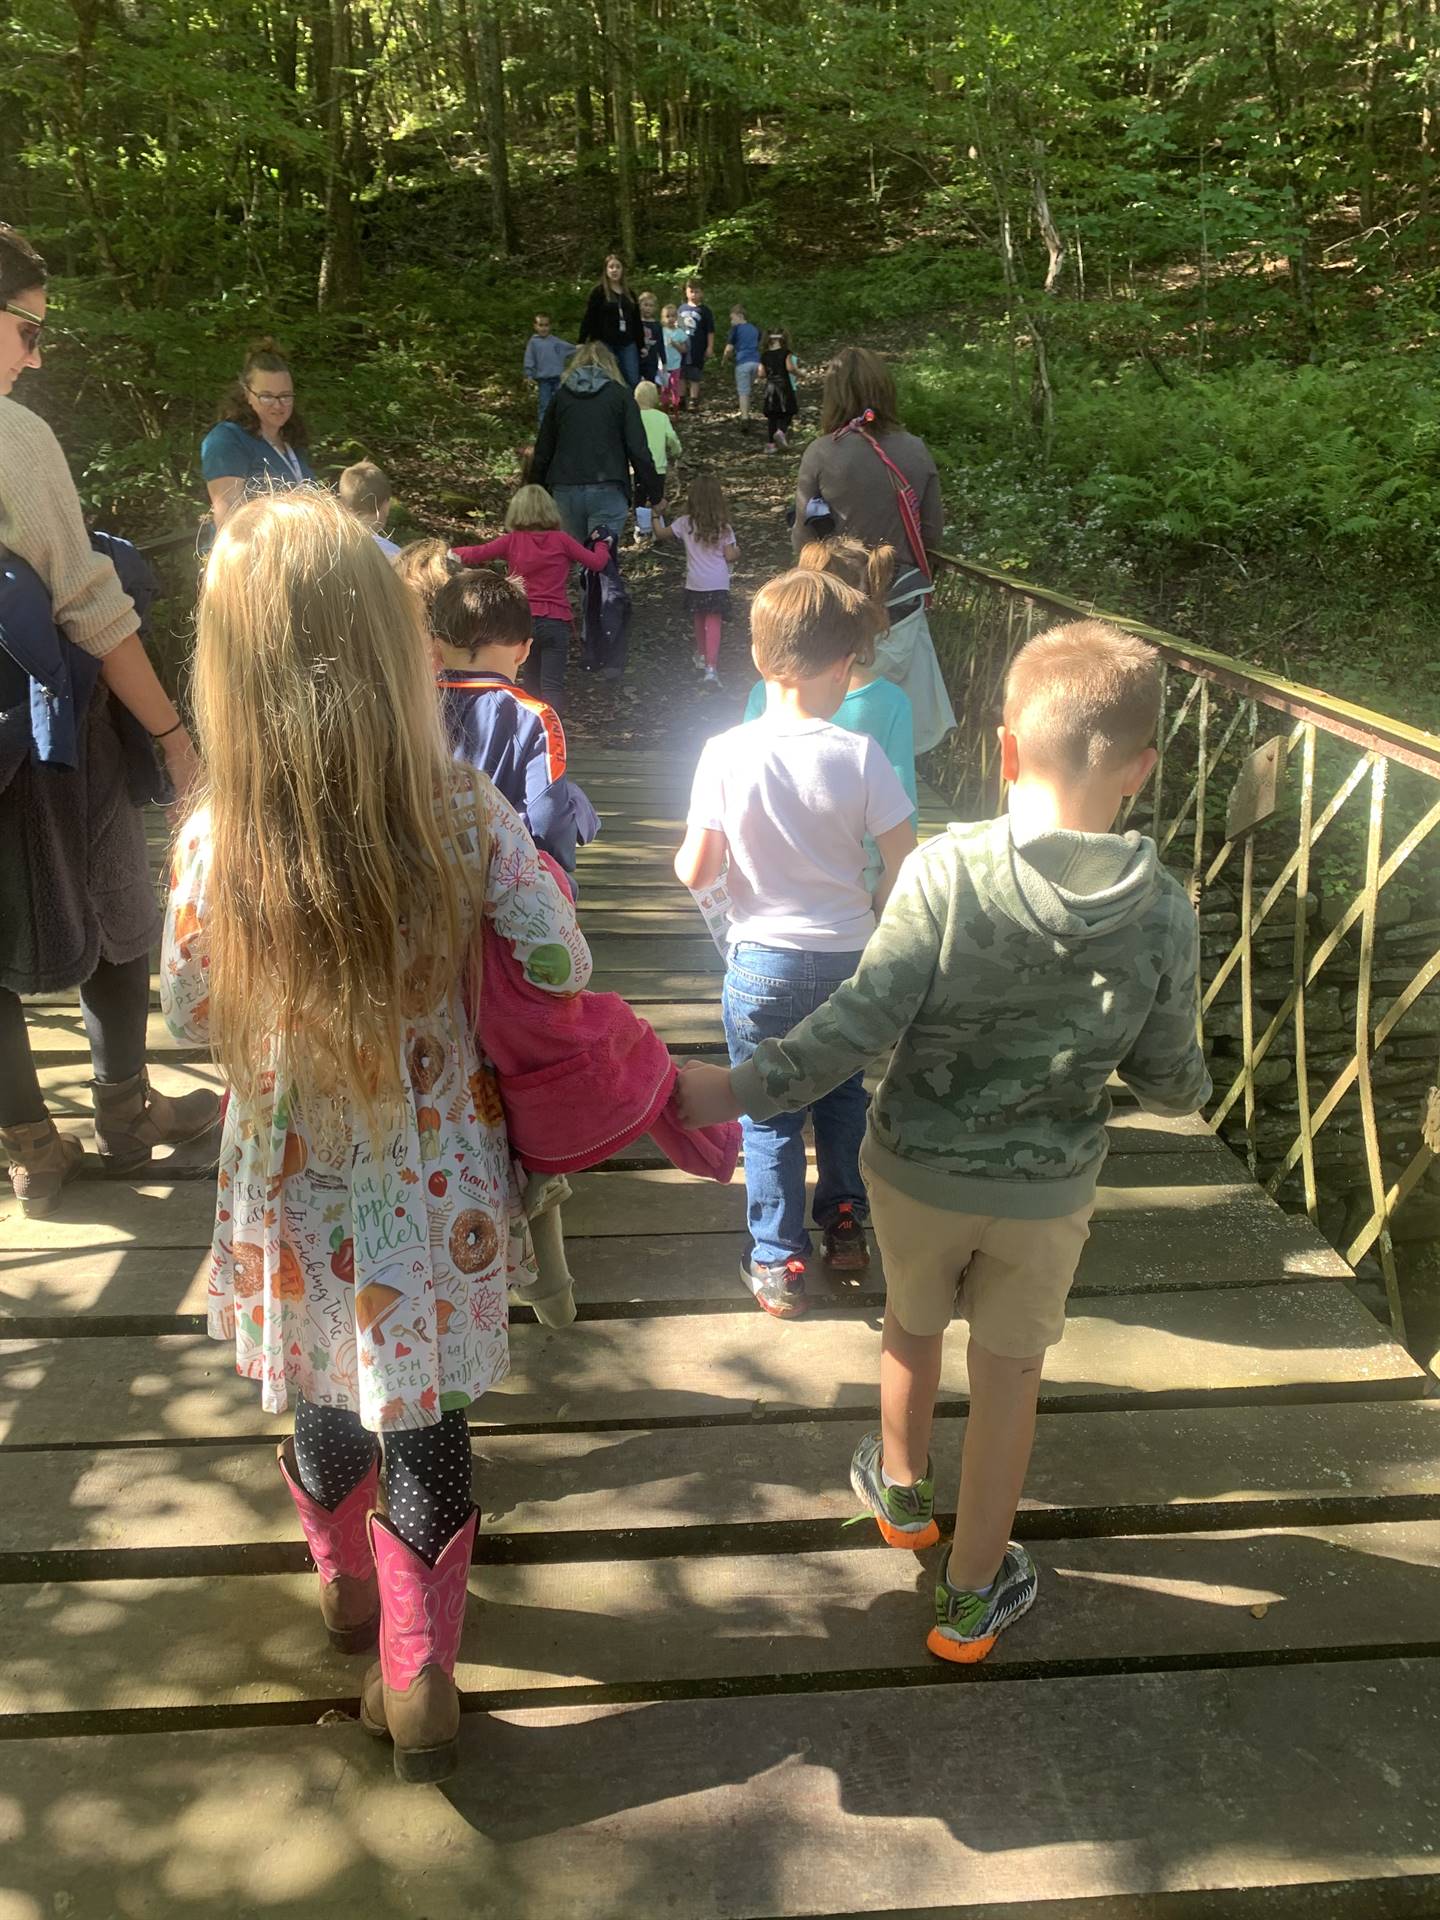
pixel 427 1471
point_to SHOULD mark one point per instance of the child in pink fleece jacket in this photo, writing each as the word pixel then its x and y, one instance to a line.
pixel 536 546
pixel 580 1078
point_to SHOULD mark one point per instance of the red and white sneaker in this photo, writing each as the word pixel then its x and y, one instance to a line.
pixel 779 1289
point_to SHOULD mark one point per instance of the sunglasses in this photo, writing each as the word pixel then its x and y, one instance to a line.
pixel 29 326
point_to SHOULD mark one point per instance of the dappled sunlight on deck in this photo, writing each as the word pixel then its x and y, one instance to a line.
pixel 694 1686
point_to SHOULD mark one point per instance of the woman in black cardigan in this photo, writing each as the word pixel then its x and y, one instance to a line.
pixel 612 316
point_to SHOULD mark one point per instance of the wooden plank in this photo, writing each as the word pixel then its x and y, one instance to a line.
pixel 143 1289
pixel 698 986
pixel 1193 1213
pixel 58 1033
pixel 74 1291
pixel 1321 1779
pixel 1313 1341
pixel 1094 1472
pixel 158 1645
pixel 615 954
pixel 1091 1473
pixel 99 1214
pixel 1187 1234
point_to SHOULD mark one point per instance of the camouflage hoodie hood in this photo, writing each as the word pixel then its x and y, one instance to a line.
pixel 1077 886
pixel 1009 977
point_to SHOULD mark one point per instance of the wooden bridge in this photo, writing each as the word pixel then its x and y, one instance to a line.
pixel 694 1691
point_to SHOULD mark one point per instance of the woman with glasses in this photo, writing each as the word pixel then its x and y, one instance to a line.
pixel 77 904
pixel 259 443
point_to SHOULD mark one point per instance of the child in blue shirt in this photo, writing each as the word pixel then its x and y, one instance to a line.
pixel 873 706
pixel 743 347
pixel 545 357
pixel 481 623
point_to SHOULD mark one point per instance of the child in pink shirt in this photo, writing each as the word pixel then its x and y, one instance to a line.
pixel 705 532
pixel 535 546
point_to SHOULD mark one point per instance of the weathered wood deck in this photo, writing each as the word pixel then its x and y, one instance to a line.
pixel 696 1693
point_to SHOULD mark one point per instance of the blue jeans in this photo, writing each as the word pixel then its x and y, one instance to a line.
pixel 582 508
pixel 769 990
pixel 549 386
pixel 628 359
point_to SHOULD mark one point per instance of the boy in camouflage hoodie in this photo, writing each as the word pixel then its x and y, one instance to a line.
pixel 1019 963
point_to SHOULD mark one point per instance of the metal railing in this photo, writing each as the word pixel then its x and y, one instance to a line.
pixel 1320 927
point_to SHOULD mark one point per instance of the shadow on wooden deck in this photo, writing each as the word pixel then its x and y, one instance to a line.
pixel 694 1690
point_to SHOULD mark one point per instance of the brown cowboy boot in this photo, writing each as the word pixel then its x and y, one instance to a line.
pixel 41 1161
pixel 339 1545
pixel 131 1120
pixel 410 1694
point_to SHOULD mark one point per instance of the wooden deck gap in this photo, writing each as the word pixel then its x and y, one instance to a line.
pixel 759 1686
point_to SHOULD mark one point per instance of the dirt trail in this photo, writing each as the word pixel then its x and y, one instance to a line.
pixel 659 703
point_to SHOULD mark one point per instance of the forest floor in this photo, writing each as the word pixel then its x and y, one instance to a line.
pixel 661 702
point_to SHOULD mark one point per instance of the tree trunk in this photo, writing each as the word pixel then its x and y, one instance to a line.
pixel 1297 250
pixel 1425 13
pixel 340 269
pixel 618 89
pixel 1370 164
pixel 584 99
pixel 730 141
pixel 1049 232
pixel 492 80
pixel 469 66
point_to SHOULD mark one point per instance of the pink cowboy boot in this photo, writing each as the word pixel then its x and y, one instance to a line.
pixel 340 1548
pixel 409 1695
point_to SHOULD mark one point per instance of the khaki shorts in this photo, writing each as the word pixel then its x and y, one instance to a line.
pixel 1011 1277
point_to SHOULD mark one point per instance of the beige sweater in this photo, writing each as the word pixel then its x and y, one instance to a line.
pixel 41 522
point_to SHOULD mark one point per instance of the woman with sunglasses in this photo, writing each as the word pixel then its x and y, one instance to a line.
pixel 77 904
pixel 259 443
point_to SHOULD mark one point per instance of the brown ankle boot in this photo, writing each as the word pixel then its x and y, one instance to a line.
pixel 41 1161
pixel 131 1120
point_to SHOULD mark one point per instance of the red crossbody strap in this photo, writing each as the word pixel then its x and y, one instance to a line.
pixel 905 495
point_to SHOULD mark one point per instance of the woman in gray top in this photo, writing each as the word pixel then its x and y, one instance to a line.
pixel 860 465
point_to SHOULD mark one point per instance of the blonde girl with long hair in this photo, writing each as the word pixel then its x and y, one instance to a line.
pixel 325 903
pixel 705 532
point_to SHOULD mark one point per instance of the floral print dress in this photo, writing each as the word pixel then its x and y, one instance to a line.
pixel 372 1274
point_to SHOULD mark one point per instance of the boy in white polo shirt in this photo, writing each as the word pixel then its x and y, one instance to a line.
pixel 788 801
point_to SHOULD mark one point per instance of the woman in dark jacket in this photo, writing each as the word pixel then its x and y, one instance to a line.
pixel 589 443
pixel 612 317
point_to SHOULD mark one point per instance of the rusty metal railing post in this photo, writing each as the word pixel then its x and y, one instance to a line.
pixel 1374 1164
pixel 1297 973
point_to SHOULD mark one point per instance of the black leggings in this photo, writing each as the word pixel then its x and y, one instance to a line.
pixel 114 1003
pixel 427 1471
pixel 544 670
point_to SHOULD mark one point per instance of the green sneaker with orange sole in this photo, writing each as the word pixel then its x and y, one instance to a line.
pixel 967 1625
pixel 904 1515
